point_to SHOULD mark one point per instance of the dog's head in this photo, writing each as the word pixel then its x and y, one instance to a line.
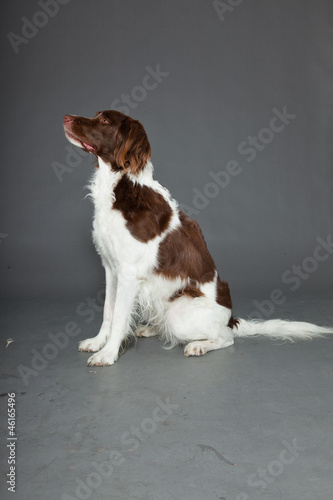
pixel 116 138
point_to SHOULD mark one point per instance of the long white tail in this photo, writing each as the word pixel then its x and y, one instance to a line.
pixel 280 329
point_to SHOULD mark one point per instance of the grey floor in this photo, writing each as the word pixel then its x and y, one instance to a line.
pixel 253 421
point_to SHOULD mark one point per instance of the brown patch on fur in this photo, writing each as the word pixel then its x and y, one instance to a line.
pixel 223 296
pixel 184 254
pixel 146 212
pixel 189 291
pixel 132 148
pixel 233 323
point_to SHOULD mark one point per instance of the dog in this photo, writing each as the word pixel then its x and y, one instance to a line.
pixel 160 277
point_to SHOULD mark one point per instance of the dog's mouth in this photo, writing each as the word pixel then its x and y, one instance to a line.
pixel 79 142
pixel 90 148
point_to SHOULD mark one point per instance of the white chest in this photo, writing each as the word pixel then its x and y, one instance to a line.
pixel 114 242
pixel 110 234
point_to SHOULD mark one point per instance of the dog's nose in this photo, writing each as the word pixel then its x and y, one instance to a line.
pixel 68 118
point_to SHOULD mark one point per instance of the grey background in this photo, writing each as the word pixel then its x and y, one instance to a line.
pixel 225 77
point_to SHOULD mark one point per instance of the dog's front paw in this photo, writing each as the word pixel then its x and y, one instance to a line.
pixel 92 345
pixel 102 359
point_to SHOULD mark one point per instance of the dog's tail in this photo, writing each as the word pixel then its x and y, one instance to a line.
pixel 279 329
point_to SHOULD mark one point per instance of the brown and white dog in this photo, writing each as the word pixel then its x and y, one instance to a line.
pixel 160 276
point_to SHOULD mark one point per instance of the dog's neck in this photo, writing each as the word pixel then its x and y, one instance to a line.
pixel 144 177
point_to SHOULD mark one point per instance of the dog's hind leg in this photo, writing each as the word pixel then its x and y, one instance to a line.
pixel 201 322
pixel 201 347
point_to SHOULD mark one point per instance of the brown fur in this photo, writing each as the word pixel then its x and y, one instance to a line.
pixel 223 294
pixel 146 212
pixel 183 253
pixel 189 291
pixel 132 149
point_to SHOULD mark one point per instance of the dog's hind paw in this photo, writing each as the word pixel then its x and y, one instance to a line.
pixel 195 349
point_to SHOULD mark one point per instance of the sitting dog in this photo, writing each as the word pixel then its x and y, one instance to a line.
pixel 160 276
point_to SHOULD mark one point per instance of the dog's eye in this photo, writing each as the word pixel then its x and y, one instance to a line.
pixel 105 120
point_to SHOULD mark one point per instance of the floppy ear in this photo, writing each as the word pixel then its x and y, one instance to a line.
pixel 132 150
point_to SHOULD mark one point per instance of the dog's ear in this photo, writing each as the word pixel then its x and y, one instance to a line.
pixel 132 149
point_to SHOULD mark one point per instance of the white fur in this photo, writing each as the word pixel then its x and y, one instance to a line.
pixel 280 329
pixel 132 287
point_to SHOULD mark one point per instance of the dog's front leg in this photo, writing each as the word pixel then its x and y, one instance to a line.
pixel 127 289
pixel 96 343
